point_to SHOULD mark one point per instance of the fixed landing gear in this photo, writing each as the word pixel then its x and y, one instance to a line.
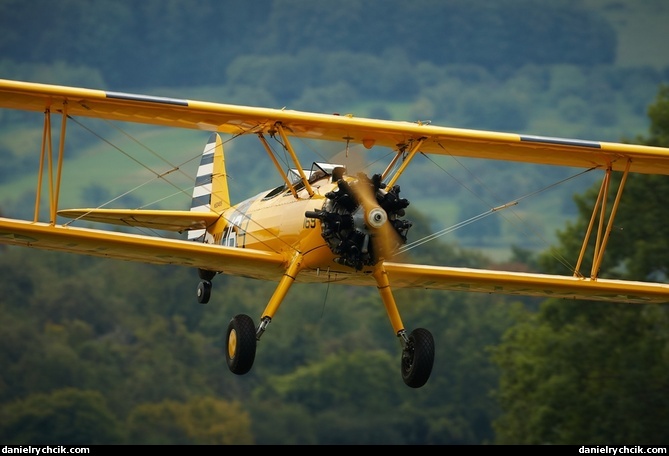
pixel 417 358
pixel 204 291
pixel 204 287
pixel 416 363
pixel 241 344
pixel 242 336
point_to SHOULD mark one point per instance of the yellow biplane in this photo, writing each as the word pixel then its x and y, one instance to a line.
pixel 322 225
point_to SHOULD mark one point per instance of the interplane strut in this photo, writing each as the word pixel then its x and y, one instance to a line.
pixel 603 230
pixel 47 154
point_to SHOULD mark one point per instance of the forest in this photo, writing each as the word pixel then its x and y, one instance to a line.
pixel 106 352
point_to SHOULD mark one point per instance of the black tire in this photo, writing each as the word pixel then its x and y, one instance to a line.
pixel 241 343
pixel 418 358
pixel 204 292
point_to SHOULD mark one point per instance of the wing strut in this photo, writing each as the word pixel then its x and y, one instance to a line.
pixel 276 163
pixel 47 151
pixel 289 147
pixel 603 232
pixel 405 163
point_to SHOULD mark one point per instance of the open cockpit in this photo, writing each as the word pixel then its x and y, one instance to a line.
pixel 318 172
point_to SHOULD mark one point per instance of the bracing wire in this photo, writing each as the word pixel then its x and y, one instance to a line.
pixel 494 210
pixel 156 175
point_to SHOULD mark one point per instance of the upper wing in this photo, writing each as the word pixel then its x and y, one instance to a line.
pixel 542 285
pixel 369 132
pixel 147 249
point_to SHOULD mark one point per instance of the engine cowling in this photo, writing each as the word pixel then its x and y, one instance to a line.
pixel 361 221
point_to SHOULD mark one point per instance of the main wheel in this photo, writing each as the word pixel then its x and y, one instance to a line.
pixel 241 344
pixel 418 358
pixel 203 292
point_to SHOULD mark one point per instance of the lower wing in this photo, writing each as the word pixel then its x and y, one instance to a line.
pixel 146 249
pixel 517 283
pixel 271 266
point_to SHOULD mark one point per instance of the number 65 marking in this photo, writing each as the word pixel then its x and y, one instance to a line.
pixel 309 223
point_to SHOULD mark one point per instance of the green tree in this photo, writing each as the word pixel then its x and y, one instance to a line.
pixel 68 416
pixel 586 373
pixel 318 385
pixel 204 420
pixel 597 373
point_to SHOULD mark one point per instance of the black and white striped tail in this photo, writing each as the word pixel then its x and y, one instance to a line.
pixel 202 190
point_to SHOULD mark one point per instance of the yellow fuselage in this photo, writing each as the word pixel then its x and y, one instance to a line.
pixel 275 221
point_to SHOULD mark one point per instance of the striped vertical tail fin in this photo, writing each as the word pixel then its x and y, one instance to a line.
pixel 210 192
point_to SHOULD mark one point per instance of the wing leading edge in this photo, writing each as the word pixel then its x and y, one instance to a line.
pixel 234 119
